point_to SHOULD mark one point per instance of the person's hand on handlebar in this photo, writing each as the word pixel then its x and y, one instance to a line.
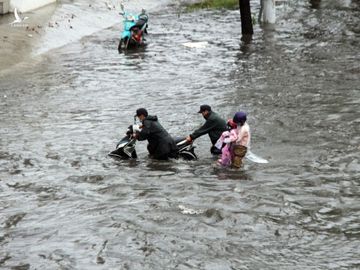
pixel 135 135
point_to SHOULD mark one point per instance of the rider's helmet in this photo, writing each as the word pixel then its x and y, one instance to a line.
pixel 239 117
pixel 231 124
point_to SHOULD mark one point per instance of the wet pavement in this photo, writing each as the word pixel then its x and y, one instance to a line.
pixel 66 205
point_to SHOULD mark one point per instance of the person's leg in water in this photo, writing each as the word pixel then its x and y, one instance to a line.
pixel 225 159
pixel 214 150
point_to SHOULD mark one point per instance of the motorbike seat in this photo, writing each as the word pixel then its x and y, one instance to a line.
pixel 139 24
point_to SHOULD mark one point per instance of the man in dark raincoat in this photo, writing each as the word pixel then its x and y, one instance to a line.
pixel 161 145
pixel 214 126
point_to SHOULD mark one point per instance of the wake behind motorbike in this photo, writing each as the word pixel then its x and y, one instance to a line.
pixel 125 149
pixel 135 26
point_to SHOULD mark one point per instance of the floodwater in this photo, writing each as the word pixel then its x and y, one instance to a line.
pixel 66 205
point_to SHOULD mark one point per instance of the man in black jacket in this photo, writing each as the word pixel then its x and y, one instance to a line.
pixel 214 126
pixel 161 145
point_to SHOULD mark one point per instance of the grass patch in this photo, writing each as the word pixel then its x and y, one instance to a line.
pixel 215 4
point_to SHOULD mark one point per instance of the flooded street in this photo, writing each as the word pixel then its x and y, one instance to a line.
pixel 64 204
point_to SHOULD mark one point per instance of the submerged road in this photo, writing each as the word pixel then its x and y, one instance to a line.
pixel 64 204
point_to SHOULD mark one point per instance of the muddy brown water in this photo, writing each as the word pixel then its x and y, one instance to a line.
pixel 64 204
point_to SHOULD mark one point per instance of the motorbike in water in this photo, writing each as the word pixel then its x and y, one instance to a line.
pixel 135 26
pixel 125 149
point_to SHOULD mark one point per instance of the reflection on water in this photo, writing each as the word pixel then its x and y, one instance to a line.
pixel 66 205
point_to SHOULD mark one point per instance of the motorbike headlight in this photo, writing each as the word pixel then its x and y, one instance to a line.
pixel 130 18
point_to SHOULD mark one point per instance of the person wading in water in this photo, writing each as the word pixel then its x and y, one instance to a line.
pixel 214 126
pixel 161 145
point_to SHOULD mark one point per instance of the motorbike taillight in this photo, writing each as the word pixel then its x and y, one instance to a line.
pixel 137 37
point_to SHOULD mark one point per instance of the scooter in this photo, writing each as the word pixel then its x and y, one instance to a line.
pixel 135 26
pixel 125 149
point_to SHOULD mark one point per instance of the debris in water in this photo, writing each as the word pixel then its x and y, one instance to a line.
pixel 188 211
pixel 100 260
pixel 200 44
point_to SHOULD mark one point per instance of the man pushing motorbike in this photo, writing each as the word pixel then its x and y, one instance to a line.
pixel 161 145
pixel 214 126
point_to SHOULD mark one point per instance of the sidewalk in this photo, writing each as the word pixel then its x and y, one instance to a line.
pixel 18 39
pixel 59 24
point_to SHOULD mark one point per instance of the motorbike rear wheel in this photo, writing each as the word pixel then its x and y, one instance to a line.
pixel 188 155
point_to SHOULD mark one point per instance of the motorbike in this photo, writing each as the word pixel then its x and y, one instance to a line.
pixel 135 26
pixel 125 149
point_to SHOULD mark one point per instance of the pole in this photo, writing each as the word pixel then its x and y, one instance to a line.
pixel 245 15
pixel 268 11
pixel 315 3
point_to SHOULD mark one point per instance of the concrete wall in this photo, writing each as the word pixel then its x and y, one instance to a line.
pixel 4 6
pixel 27 5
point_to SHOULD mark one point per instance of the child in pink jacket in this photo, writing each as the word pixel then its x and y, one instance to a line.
pixel 226 138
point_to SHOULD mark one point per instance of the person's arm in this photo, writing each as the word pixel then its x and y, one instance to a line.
pixel 233 135
pixel 224 136
pixel 246 137
pixel 206 128
pixel 243 136
pixel 145 131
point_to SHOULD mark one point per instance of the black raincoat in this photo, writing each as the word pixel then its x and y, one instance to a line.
pixel 161 144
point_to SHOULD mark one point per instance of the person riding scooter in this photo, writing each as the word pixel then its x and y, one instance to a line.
pixel 161 145
pixel 134 28
pixel 142 21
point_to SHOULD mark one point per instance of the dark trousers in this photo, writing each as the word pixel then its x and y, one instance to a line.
pixel 215 151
